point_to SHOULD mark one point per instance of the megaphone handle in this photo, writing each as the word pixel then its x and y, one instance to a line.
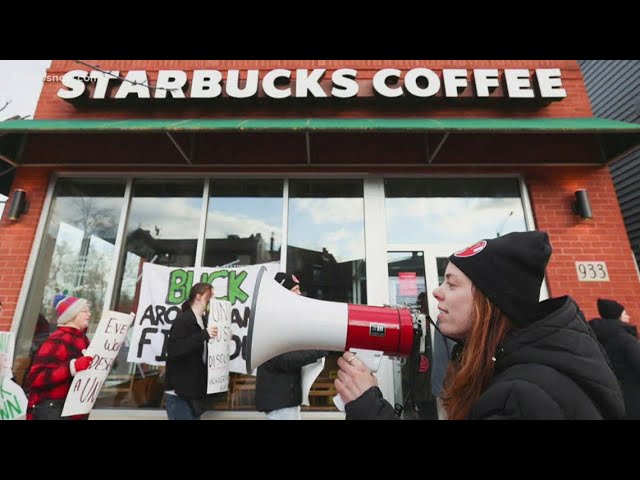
pixel 371 359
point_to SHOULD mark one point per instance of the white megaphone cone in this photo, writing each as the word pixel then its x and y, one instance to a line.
pixel 282 321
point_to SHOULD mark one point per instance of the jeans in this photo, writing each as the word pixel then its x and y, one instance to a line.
pixel 178 408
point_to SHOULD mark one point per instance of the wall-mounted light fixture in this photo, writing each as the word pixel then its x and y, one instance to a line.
pixel 582 205
pixel 19 205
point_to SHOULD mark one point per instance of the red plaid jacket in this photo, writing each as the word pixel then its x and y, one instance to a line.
pixel 50 375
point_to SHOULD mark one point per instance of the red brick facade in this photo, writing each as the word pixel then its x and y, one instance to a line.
pixel 603 238
pixel 17 238
pixel 550 188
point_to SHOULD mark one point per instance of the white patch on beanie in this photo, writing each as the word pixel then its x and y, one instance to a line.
pixel 72 310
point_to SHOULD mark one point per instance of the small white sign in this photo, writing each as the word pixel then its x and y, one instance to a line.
pixel 592 271
pixel 218 351
pixel 104 347
pixel 13 401
pixel 6 355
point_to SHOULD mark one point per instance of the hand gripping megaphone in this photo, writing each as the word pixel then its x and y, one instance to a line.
pixel 281 321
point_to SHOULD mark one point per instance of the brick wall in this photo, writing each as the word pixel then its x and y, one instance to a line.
pixel 603 238
pixel 16 239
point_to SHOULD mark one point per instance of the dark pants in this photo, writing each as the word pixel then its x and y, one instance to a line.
pixel 49 410
pixel 178 408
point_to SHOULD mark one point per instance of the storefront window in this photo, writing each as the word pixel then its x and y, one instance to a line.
pixel 244 224
pixel 75 258
pixel 326 239
pixel 408 286
pixel 326 251
pixel 162 228
pixel 451 210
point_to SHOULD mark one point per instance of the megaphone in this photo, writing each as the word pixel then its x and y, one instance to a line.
pixel 281 321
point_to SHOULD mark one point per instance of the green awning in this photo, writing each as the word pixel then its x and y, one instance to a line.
pixel 466 125
pixel 614 138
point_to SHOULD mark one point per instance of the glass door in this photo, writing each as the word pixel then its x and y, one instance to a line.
pixel 414 272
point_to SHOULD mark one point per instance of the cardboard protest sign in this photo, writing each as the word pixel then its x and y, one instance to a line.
pixel 6 355
pixel 13 401
pixel 104 348
pixel 218 348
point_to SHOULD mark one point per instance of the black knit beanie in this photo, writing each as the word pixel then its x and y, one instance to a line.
pixel 609 308
pixel 287 280
pixel 509 271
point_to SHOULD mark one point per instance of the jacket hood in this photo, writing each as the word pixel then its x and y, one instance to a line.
pixel 560 338
pixel 607 328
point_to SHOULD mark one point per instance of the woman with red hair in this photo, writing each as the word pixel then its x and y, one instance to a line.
pixel 516 357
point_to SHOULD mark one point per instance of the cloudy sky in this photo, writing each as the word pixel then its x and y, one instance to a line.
pixel 20 83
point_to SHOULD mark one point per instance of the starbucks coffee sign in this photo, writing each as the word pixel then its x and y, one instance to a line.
pixel 282 84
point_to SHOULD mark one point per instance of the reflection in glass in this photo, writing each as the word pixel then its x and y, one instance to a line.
pixel 442 347
pixel 162 228
pixel 326 252
pixel 75 257
pixel 406 277
pixel 326 239
pixel 244 222
pixel 441 264
pixel 412 383
pixel 452 210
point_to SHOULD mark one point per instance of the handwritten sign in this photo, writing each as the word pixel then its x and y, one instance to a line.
pixel 6 355
pixel 104 349
pixel 13 401
pixel 592 271
pixel 218 351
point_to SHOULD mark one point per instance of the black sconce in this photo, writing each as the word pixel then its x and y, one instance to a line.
pixel 582 205
pixel 19 205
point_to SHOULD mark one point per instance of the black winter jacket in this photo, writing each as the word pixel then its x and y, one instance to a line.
pixel 552 369
pixel 619 339
pixel 186 371
pixel 279 380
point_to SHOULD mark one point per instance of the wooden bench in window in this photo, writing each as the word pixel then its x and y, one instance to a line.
pixel 243 392
pixel 321 395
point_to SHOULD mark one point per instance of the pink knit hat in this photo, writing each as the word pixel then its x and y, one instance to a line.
pixel 68 307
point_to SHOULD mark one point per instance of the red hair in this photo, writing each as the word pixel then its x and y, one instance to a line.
pixel 468 376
